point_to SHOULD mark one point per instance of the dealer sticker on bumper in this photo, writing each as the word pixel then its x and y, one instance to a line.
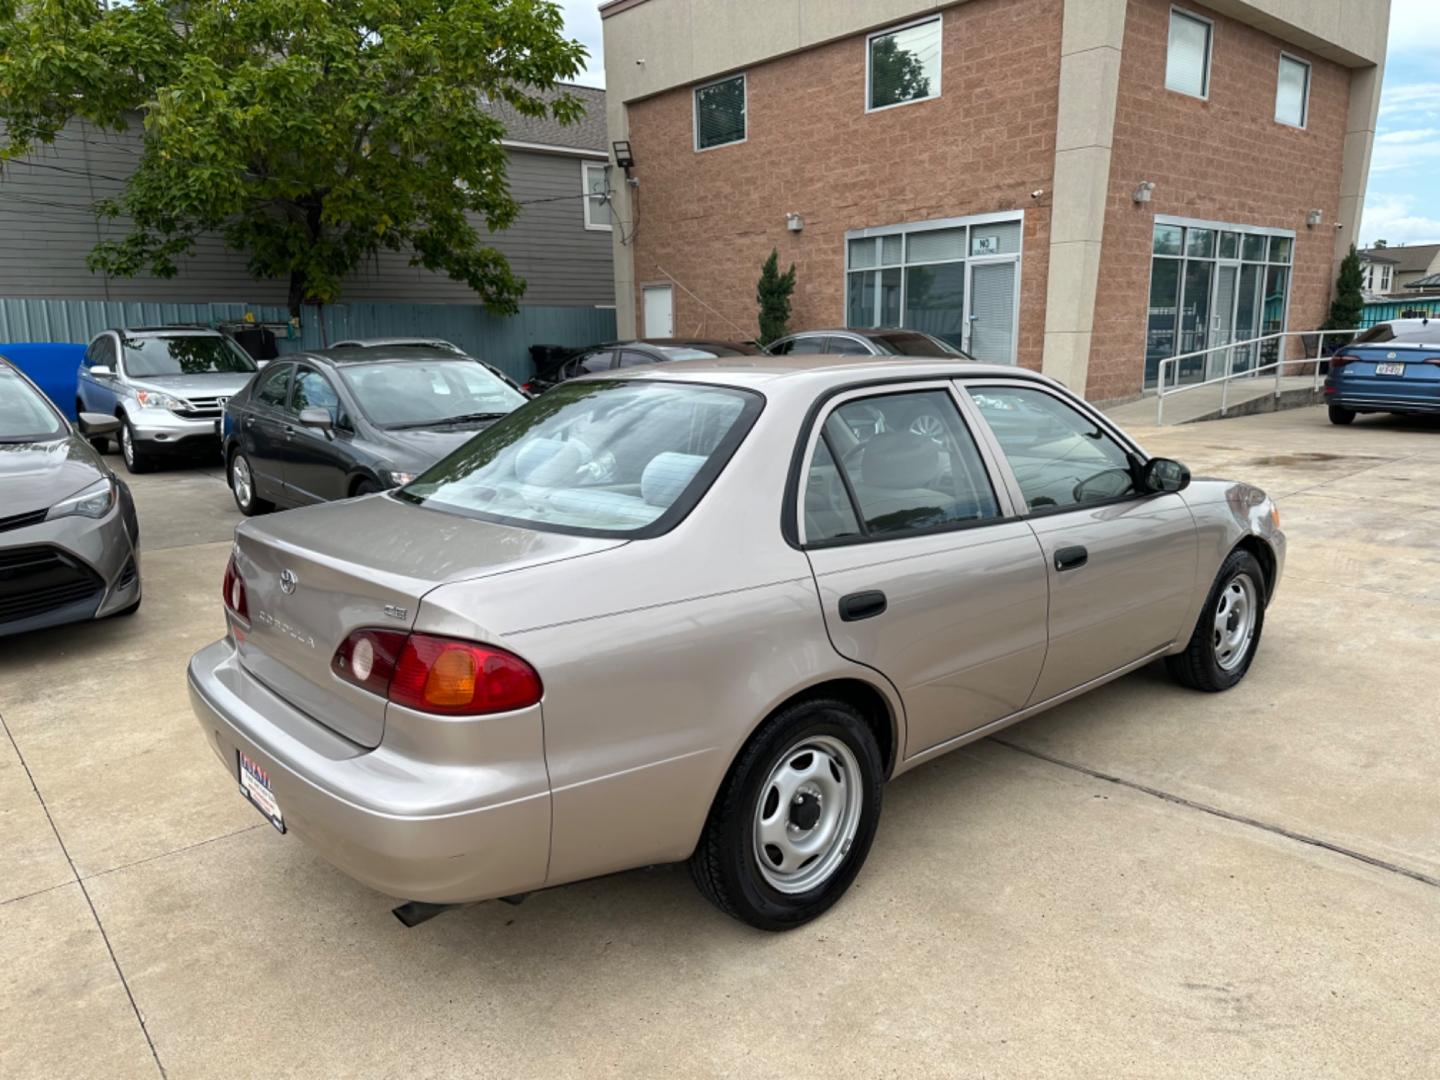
pixel 255 786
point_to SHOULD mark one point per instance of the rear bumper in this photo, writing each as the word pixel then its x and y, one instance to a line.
pixel 442 833
pixel 1373 393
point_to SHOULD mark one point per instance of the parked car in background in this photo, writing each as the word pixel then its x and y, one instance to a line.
pixel 719 682
pixel 392 342
pixel 843 342
pixel 639 353
pixel 69 537
pixel 333 424
pixel 1394 367
pixel 167 385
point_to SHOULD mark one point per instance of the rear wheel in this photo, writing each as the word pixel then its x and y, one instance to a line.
pixel 137 457
pixel 1228 633
pixel 242 486
pixel 1341 415
pixel 794 819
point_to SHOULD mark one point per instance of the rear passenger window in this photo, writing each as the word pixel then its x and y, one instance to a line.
pixel 272 388
pixel 845 346
pixel 808 346
pixel 895 465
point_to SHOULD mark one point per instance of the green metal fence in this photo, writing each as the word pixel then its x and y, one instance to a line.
pixel 502 340
pixel 1384 311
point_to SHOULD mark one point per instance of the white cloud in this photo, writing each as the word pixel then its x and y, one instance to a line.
pixel 1414 26
pixel 1392 218
pixel 1408 135
pixel 582 22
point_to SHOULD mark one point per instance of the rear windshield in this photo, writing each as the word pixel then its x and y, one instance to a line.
pixel 596 458
pixel 183 354
pixel 426 393
pixel 25 416
pixel 914 345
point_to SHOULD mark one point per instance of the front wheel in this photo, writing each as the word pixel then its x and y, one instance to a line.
pixel 1341 415
pixel 137 458
pixel 1225 639
pixel 794 819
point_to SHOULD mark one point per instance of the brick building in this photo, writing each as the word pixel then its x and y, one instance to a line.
pixel 1080 186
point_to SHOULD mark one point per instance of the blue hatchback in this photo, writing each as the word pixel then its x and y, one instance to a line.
pixel 1394 367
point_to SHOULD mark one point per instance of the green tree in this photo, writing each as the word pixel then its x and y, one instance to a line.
pixel 773 294
pixel 309 134
pixel 896 74
pixel 1349 303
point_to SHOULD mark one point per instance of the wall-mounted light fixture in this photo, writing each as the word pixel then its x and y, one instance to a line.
pixel 794 222
pixel 1315 217
pixel 623 156
pixel 1142 193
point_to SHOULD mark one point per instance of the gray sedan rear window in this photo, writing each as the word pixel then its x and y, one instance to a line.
pixel 606 458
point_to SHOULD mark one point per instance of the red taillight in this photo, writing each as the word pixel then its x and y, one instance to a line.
pixel 435 674
pixel 233 591
pixel 1339 360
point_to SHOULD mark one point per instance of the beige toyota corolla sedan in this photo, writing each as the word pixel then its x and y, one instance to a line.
pixel 706 611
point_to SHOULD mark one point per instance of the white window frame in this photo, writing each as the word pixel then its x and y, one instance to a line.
pixel 1304 96
pixel 589 199
pixel 1176 9
pixel 695 112
pixel 939 19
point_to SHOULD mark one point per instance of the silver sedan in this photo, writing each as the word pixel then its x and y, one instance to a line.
pixel 706 611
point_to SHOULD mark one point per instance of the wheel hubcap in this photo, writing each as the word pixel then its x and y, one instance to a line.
pixel 807 814
pixel 1234 625
pixel 126 446
pixel 240 480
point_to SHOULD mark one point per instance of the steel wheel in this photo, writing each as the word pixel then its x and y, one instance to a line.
pixel 241 482
pixel 807 814
pixel 1234 622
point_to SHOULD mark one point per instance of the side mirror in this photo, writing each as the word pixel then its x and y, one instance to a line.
pixel 94 423
pixel 319 419
pixel 1162 474
pixel 101 369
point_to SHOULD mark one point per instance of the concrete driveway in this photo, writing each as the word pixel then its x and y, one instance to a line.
pixel 1145 882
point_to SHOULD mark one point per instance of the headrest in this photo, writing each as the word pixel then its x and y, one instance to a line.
pixel 667 475
pixel 899 459
pixel 547 462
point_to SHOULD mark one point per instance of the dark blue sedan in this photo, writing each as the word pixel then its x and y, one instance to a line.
pixel 1394 367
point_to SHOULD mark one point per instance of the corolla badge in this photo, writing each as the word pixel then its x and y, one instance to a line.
pixel 288 581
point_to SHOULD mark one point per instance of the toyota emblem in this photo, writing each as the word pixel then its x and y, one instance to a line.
pixel 288 581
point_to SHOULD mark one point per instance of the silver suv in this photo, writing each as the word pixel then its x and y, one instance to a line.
pixel 167 386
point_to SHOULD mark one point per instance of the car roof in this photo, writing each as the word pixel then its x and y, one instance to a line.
pixel 864 332
pixel 419 340
pixel 168 331
pixel 673 343
pixel 380 354
pixel 821 371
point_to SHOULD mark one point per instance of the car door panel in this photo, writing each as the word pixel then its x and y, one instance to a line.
pixel 262 432
pixel 1128 598
pixel 960 628
pixel 316 463
pixel 1120 563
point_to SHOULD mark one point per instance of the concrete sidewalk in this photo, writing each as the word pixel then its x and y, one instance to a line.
pixel 1145 882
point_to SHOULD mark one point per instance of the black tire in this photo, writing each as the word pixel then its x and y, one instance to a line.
pixel 136 457
pixel 725 864
pixel 250 504
pixel 1201 666
pixel 364 487
pixel 1341 415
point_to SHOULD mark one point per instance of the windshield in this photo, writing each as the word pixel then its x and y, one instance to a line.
pixel 424 393
pixel 25 415
pixel 914 344
pixel 184 354
pixel 616 458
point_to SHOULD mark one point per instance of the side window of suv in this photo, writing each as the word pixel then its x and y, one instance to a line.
pixel 273 387
pixel 101 352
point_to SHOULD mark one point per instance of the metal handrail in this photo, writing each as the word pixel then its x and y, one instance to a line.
pixel 1171 363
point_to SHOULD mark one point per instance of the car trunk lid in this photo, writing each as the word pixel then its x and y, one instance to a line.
pixel 314 576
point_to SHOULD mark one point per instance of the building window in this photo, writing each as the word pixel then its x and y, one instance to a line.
pixel 1292 92
pixel 957 280
pixel 1187 64
pixel 903 65
pixel 720 113
pixel 595 180
pixel 1204 296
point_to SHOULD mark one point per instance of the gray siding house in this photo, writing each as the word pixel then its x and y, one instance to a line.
pixel 560 244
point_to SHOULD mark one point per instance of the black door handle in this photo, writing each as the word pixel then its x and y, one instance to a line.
pixel 1071 558
pixel 862 605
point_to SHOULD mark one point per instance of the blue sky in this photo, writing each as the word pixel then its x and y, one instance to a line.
pixel 1402 204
